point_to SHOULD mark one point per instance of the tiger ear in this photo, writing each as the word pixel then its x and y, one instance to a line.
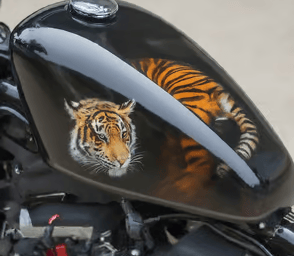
pixel 71 108
pixel 127 107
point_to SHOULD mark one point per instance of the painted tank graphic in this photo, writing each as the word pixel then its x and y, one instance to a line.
pixel 137 109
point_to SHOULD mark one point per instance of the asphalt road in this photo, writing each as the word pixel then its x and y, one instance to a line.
pixel 252 39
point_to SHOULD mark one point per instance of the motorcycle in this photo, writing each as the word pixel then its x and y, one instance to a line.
pixel 121 136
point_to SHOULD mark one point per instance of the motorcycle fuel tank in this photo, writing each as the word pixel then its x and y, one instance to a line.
pixel 130 104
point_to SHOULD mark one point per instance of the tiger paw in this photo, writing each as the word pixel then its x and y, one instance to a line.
pixel 222 170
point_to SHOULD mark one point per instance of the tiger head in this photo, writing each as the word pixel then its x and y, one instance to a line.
pixel 103 137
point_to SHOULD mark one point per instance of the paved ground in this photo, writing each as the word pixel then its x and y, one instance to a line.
pixel 252 39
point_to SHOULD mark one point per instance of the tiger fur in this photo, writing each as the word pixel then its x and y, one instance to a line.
pixel 205 98
pixel 103 136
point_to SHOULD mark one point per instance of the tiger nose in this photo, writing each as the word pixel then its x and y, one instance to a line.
pixel 121 160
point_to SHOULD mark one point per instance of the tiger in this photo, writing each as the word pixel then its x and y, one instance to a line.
pixel 104 136
pixel 207 99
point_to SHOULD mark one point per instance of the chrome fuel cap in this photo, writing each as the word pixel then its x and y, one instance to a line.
pixel 98 9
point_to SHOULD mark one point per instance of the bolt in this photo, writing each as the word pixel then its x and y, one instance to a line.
pixel 135 252
pixel 262 225
pixel 17 169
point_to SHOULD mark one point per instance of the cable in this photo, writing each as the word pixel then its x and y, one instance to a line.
pixel 266 251
pixel 261 249
pixel 170 216
pixel 235 241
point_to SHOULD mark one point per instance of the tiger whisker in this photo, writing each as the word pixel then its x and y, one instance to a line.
pixel 133 168
pixel 135 163
pixel 86 162
pixel 137 157
pixel 139 154
pixel 130 169
pixel 94 165
pixel 136 160
pixel 98 170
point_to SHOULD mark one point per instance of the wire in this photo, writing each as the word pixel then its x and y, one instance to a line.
pixel 266 251
pixel 170 216
pixel 261 251
pixel 235 241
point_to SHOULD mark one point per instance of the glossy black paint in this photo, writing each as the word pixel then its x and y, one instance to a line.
pixel 57 57
pixel 9 97
pixel 37 181
pixel 4 51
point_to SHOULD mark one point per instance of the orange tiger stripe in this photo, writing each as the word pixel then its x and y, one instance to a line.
pixel 205 98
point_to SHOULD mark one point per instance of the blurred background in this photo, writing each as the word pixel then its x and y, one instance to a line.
pixel 252 39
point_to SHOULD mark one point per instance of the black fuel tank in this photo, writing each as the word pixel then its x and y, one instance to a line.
pixel 135 107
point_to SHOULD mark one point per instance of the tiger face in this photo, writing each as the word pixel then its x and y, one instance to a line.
pixel 103 137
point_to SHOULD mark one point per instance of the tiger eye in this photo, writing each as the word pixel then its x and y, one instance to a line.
pixel 102 137
pixel 124 134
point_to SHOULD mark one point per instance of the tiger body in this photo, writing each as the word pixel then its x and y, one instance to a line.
pixel 205 98
pixel 103 136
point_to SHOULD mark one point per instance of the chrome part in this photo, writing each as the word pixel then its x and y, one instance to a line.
pixel 10 89
pixel 105 245
pixel 284 238
pixel 17 169
pixel 290 216
pixel 135 252
pixel 62 195
pixel 110 247
pixel 98 9
pixel 105 235
pixel 25 219
pixel 262 225
pixel 13 112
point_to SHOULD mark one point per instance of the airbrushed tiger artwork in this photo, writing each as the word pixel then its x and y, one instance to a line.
pixel 104 137
pixel 206 99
